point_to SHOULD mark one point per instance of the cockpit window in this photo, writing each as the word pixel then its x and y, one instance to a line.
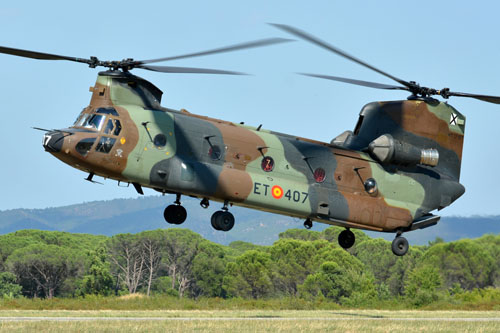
pixel 118 127
pixel 109 127
pixel 113 127
pixel 110 111
pixel 95 122
pixel 83 147
pixel 82 119
pixel 105 144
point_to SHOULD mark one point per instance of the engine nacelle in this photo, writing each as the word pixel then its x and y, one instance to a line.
pixel 388 150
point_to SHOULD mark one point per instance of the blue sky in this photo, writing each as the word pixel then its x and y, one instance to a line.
pixel 439 44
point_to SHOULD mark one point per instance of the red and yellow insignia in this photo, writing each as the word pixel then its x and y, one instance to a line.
pixel 277 192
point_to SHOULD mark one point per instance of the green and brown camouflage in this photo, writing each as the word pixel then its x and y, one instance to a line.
pixel 401 162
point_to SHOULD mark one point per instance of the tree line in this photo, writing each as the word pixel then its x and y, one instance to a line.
pixel 301 264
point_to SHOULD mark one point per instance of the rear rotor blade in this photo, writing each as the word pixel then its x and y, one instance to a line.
pixel 314 40
pixel 187 70
pixel 485 98
pixel 248 45
pixel 357 82
pixel 40 55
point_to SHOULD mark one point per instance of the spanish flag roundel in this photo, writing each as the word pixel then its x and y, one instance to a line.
pixel 277 192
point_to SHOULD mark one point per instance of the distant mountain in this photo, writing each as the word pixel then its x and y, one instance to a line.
pixel 146 213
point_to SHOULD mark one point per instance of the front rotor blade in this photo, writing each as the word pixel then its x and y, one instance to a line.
pixel 314 40
pixel 357 82
pixel 248 45
pixel 188 70
pixel 485 98
pixel 39 55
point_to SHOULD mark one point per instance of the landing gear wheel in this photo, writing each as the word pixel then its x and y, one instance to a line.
pixel 308 224
pixel 175 214
pixel 346 239
pixel 214 219
pixel 400 246
pixel 222 220
pixel 225 221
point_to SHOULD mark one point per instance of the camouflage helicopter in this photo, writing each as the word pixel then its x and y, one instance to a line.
pixel 401 162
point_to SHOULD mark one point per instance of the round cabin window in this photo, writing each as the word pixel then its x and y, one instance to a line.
pixel 267 164
pixel 371 187
pixel 160 140
pixel 319 175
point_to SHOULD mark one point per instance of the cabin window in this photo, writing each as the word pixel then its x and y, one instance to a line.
pixel 105 145
pixel 267 164
pixel 84 146
pixel 319 175
pixel 371 187
pixel 160 140
pixel 214 152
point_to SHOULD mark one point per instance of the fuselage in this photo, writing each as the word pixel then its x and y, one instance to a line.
pixel 124 134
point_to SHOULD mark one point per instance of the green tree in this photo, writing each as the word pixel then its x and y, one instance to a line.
pixel 98 280
pixel 179 249
pixel 465 262
pixel 42 269
pixel 491 244
pixel 237 248
pixel 249 276
pixel 127 260
pixel 163 285
pixel 151 249
pixel 293 260
pixel 388 269
pixel 208 270
pixel 8 285
pixel 301 234
pixel 422 285
pixel 341 276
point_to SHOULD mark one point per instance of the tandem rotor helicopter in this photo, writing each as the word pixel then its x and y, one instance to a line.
pixel 401 162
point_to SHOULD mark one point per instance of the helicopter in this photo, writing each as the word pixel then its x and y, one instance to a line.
pixel 400 163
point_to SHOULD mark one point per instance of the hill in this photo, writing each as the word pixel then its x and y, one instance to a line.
pixel 146 213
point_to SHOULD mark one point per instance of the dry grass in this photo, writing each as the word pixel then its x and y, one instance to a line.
pixel 241 314
pixel 132 296
pixel 253 321
pixel 270 325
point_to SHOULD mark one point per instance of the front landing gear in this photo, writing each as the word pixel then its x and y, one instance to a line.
pixel 346 239
pixel 222 219
pixel 400 245
pixel 175 214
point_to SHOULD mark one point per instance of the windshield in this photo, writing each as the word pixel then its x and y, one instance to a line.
pixel 95 121
pixel 81 119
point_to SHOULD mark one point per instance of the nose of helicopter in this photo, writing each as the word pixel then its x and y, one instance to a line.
pixel 53 141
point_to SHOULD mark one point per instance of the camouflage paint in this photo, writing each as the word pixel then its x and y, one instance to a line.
pixel 221 161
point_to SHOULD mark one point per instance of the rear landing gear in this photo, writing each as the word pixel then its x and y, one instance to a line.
pixel 175 214
pixel 346 239
pixel 400 245
pixel 308 224
pixel 222 219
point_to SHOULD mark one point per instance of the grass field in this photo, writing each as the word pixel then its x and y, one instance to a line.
pixel 250 321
